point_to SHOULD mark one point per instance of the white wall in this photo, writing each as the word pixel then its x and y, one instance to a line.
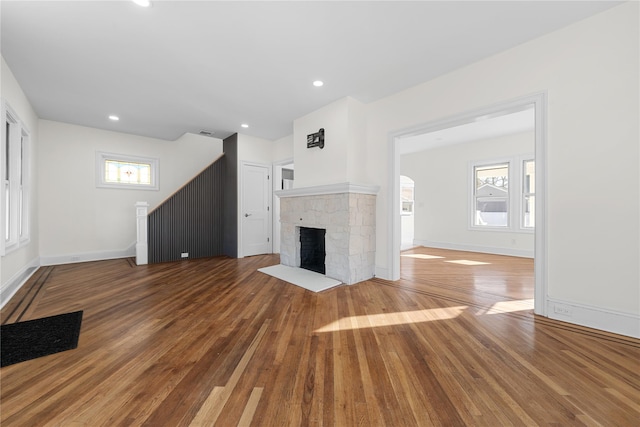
pixel 356 142
pixel 442 185
pixel 79 221
pixel 14 264
pixel 283 149
pixel 590 73
pixel 341 159
pixel 315 166
pixel 253 149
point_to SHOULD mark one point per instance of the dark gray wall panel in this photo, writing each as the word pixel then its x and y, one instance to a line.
pixel 230 238
pixel 191 220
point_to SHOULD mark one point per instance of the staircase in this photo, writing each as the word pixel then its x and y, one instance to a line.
pixel 190 223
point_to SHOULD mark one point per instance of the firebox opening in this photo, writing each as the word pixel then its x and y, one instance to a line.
pixel 312 252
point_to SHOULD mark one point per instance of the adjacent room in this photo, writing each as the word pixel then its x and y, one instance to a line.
pixel 470 187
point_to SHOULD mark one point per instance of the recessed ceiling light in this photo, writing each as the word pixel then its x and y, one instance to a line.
pixel 244 125
pixel 114 118
pixel 318 83
pixel 143 3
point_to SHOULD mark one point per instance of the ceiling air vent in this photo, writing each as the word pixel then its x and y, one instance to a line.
pixel 206 132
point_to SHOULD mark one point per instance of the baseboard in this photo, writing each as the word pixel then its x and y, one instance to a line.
pixel 14 284
pixel 593 317
pixel 382 273
pixel 89 256
pixel 522 253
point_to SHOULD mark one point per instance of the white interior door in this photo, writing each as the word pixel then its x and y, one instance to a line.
pixel 255 213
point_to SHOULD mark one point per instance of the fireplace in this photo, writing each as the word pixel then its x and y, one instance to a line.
pixel 312 250
pixel 345 214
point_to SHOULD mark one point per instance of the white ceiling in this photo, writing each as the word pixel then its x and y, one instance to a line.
pixel 184 66
pixel 480 128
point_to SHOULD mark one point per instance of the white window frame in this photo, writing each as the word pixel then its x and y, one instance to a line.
pixel 102 157
pixel 472 194
pixel 523 195
pixel 16 187
pixel 516 197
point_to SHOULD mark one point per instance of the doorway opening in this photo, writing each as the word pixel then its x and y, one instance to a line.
pixel 407 221
pixel 283 179
pixel 520 206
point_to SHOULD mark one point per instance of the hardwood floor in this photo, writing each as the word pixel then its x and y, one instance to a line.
pixel 214 342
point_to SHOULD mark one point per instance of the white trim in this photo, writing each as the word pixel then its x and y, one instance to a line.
pixel 241 206
pixel 594 317
pixel 18 183
pixel 541 239
pixel 16 282
pixel 394 228
pixel 515 194
pixel 343 187
pixel 276 168
pixel 539 100
pixel 381 272
pixel 521 253
pixel 472 193
pixel 102 156
pixel 129 252
pixel 521 198
pixel 142 233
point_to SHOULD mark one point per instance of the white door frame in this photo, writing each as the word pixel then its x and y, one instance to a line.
pixel 241 206
pixel 539 100
pixel 277 178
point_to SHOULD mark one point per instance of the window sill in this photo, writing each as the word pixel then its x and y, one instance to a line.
pixel 15 246
pixel 502 229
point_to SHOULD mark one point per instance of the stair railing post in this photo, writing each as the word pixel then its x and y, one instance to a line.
pixel 142 245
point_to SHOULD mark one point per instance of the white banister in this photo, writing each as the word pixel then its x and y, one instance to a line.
pixel 142 245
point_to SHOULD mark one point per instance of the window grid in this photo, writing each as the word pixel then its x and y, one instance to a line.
pixel 491 195
pixel 528 216
pixel 15 188
pixel 126 172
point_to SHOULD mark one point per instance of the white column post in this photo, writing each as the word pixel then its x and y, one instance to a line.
pixel 142 245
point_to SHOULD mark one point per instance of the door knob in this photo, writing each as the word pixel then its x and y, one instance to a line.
pixel 246 215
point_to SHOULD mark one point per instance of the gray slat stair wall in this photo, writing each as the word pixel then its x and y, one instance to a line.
pixel 191 220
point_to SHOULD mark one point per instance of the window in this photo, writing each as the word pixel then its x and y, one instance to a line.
pixel 491 195
pixel 492 205
pixel 528 194
pixel 121 171
pixel 15 181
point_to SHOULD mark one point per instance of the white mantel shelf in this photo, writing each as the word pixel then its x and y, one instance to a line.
pixel 343 187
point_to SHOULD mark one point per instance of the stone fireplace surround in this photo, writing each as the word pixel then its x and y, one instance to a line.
pixel 347 212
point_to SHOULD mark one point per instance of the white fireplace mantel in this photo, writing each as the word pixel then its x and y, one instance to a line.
pixel 347 212
pixel 343 187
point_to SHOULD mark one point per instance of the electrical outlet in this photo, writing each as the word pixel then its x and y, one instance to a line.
pixel 184 254
pixel 562 309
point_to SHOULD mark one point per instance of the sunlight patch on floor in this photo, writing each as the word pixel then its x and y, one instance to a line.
pixel 391 319
pixel 509 307
pixel 467 262
pixel 422 256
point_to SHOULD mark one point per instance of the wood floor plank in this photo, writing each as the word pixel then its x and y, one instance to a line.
pixel 247 415
pixel 215 342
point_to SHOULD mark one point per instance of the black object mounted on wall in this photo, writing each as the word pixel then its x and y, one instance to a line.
pixel 316 139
